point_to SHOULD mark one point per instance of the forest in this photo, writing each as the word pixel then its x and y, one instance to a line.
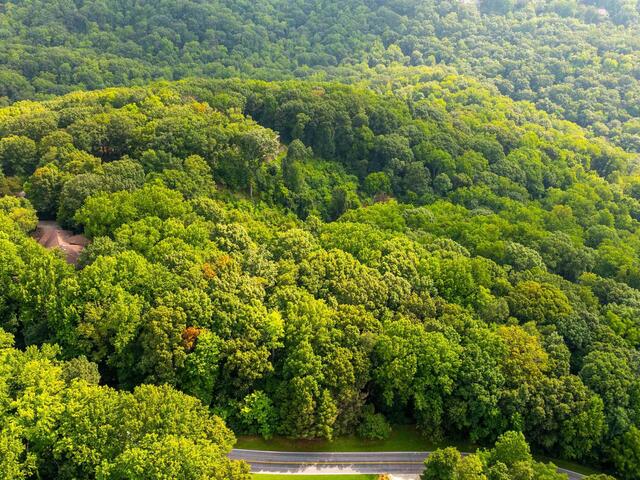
pixel 434 253
pixel 577 59
pixel 316 219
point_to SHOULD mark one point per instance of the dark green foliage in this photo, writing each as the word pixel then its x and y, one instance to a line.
pixel 574 60
pixel 421 269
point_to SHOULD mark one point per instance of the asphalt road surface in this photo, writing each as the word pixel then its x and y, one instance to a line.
pixel 394 463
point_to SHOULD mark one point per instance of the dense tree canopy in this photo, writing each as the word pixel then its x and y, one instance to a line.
pixel 575 58
pixel 312 260
pixel 57 422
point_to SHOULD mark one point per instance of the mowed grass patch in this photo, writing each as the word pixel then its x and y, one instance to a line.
pixel 268 476
pixel 575 467
pixel 403 438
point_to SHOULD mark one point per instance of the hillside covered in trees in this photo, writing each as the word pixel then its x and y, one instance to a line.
pixel 574 58
pixel 314 219
pixel 311 259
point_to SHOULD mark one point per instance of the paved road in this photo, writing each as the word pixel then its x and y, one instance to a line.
pixel 395 463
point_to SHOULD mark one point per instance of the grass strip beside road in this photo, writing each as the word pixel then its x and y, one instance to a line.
pixel 574 467
pixel 270 476
pixel 403 438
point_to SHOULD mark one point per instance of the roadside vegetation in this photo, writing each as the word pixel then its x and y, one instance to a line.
pixel 356 225
pixel 313 260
